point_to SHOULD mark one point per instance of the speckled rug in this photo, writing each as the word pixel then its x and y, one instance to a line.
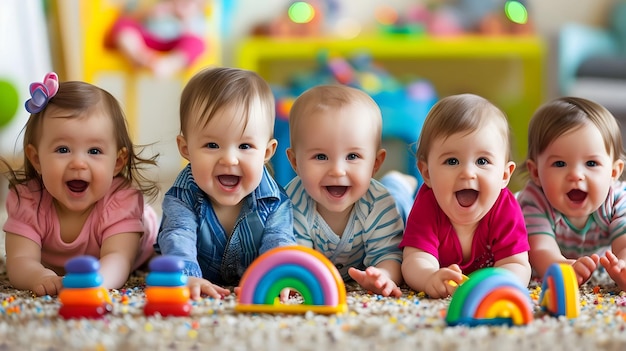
pixel 412 322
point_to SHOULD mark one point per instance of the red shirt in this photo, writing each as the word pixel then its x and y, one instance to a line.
pixel 500 234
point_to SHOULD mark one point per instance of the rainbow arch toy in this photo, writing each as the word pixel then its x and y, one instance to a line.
pixel 297 267
pixel 490 296
pixel 559 292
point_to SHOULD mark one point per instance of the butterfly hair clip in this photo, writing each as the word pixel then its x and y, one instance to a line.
pixel 42 92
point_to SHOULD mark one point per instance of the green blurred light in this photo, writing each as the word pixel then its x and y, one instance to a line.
pixel 516 11
pixel 301 12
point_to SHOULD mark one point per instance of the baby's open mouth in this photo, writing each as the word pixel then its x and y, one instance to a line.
pixel 337 191
pixel 77 186
pixel 577 195
pixel 229 180
pixel 466 197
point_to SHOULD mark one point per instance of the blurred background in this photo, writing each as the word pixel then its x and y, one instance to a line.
pixel 405 53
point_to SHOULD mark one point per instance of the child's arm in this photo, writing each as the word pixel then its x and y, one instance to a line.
pixel 544 251
pixel 382 279
pixel 24 268
pixel 421 272
pixel 518 264
pixel 278 229
pixel 117 256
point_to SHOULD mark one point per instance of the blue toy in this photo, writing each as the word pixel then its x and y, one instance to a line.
pixel 403 107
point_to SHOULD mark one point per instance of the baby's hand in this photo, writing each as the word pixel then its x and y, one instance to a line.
pixel 616 269
pixel 584 267
pixel 199 287
pixel 284 293
pixel 48 285
pixel 439 284
pixel 374 280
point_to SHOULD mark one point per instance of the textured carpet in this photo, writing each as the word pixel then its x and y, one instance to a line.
pixel 412 322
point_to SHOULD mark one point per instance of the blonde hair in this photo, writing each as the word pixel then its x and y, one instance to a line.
pixel 460 113
pixel 325 97
pixel 214 88
pixel 563 114
pixel 80 99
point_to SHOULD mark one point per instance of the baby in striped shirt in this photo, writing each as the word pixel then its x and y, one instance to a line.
pixel 338 208
pixel 574 204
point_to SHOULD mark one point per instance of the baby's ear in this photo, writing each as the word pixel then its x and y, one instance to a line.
pixel 33 157
pixel 422 166
pixel 380 158
pixel 533 172
pixel 618 168
pixel 122 158
pixel 509 168
pixel 291 156
pixel 270 149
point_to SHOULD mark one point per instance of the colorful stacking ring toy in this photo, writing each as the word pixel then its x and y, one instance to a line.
pixel 491 296
pixel 296 267
pixel 559 292
pixel 166 289
pixel 82 295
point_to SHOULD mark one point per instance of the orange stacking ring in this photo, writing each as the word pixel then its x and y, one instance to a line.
pixel 85 296
pixel 169 295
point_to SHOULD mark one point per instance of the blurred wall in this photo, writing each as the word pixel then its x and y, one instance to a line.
pixel 160 124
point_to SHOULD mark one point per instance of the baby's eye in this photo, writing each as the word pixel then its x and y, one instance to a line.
pixel 94 151
pixel 63 150
pixel 592 163
pixel 352 157
pixel 452 161
pixel 245 146
pixel 321 157
pixel 212 146
pixel 482 161
pixel 559 164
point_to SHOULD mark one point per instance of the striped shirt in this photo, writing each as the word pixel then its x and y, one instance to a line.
pixel 603 226
pixel 371 236
pixel 191 230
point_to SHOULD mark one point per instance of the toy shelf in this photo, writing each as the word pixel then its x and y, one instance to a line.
pixel 507 70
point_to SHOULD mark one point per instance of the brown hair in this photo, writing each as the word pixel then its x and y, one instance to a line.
pixel 80 99
pixel 214 88
pixel 460 113
pixel 325 97
pixel 563 114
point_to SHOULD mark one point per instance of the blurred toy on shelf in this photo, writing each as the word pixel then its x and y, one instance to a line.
pixel 299 19
pixel 457 17
pixel 311 18
pixel 165 36
pixel 403 105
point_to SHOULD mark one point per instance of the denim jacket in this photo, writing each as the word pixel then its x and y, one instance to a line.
pixel 191 230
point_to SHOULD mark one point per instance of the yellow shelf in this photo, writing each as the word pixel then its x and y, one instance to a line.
pixel 509 71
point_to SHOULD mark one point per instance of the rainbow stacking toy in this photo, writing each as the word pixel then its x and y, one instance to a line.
pixel 167 293
pixel 559 293
pixel 82 295
pixel 296 267
pixel 490 296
